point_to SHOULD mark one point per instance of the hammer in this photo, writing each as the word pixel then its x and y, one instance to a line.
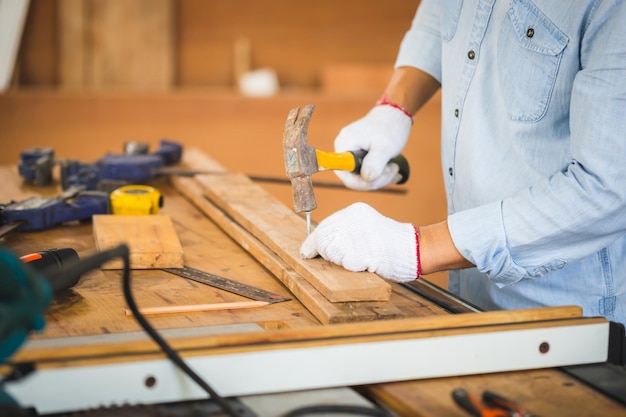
pixel 302 160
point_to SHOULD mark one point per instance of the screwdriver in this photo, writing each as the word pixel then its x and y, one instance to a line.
pixel 50 263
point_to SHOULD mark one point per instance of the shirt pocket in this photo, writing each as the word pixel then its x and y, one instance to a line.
pixel 530 48
pixel 450 11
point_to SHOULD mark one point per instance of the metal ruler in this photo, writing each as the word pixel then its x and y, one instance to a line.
pixel 226 284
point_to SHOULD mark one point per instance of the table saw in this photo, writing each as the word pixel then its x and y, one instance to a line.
pixel 405 352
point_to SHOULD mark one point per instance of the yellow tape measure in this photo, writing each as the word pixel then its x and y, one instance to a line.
pixel 136 200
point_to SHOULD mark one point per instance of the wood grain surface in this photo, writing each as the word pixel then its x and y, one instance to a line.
pixel 327 312
pixel 544 392
pixel 347 333
pixel 96 307
pixel 151 239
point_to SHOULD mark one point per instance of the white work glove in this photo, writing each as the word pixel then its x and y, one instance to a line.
pixel 359 238
pixel 383 133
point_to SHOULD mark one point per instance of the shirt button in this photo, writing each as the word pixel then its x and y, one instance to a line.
pixel 456 112
pixel 450 171
pixel 471 54
pixel 530 32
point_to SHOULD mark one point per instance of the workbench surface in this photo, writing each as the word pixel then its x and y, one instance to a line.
pixel 96 306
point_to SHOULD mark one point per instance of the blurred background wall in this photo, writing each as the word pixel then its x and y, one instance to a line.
pixel 91 75
pixel 162 44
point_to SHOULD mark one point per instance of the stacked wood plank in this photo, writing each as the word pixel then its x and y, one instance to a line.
pixel 273 233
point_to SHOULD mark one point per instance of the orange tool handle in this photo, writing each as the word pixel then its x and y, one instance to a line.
pixel 475 406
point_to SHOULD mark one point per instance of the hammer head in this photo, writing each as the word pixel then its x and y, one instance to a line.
pixel 300 158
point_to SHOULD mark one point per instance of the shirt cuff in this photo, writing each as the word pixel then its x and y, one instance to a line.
pixel 479 235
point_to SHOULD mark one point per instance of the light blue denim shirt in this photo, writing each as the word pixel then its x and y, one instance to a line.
pixel 533 147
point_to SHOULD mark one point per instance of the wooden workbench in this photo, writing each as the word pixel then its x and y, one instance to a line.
pixel 96 306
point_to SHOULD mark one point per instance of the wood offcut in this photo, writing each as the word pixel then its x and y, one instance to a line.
pixel 152 240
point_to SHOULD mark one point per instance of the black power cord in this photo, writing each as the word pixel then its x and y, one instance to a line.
pixel 85 265
pixel 326 409
pixel 122 251
pixel 171 353
pixel 18 371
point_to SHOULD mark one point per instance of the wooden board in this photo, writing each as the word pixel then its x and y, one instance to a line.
pixel 95 306
pixel 152 240
pixel 283 231
pixel 324 310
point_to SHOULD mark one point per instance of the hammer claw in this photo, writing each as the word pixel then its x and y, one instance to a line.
pixel 297 122
pixel 291 119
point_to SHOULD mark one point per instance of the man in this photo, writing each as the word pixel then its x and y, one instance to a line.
pixel 532 148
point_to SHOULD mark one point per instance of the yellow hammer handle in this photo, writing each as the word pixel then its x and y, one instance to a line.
pixel 351 161
pixel 340 161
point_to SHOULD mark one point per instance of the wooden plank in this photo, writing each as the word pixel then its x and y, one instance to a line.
pixel 73 67
pixel 324 310
pixel 152 240
pixel 119 44
pixel 132 44
pixel 321 335
pixel 283 231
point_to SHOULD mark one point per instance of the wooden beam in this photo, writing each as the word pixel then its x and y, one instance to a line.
pixel 112 344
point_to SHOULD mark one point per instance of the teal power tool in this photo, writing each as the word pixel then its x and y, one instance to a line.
pixel 26 288
pixel 50 263
pixel 27 284
pixel 24 296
